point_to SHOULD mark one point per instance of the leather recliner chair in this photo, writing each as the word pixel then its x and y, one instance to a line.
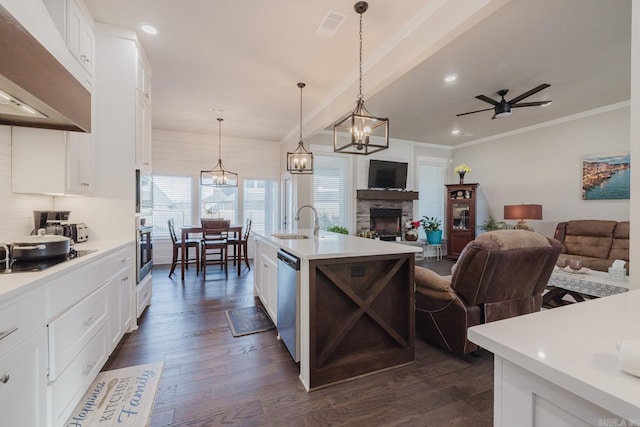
pixel 500 274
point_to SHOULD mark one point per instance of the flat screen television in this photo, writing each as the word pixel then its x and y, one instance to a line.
pixel 385 174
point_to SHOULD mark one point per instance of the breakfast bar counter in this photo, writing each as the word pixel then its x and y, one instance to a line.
pixel 356 302
pixel 560 366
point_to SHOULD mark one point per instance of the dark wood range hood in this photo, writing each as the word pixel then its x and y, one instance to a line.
pixel 34 77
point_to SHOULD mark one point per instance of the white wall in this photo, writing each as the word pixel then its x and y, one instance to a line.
pixel 16 210
pixel 544 166
pixel 186 154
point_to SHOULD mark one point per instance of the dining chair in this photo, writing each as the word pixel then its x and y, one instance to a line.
pixel 213 251
pixel 240 247
pixel 177 248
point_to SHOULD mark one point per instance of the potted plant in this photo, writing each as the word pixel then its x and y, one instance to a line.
pixel 492 225
pixel 431 226
pixel 338 229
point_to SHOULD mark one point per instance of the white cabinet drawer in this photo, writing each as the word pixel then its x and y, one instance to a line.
pixel 19 317
pixel 65 393
pixel 118 260
pixel 143 294
pixel 72 330
pixel 74 286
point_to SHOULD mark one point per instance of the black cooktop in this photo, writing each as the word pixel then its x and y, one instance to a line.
pixel 20 266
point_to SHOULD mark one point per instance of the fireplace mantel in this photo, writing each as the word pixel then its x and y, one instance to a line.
pixel 386 195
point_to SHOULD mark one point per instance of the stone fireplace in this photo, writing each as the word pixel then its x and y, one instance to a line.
pixel 384 211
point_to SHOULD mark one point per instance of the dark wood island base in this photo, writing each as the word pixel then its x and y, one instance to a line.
pixel 361 316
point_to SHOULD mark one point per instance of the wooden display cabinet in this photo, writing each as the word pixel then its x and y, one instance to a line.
pixel 461 217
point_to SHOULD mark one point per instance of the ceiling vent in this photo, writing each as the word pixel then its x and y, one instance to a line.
pixel 330 24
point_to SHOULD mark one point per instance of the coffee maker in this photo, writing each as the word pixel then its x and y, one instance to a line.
pixel 51 221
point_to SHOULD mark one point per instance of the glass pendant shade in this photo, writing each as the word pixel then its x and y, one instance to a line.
pixel 360 132
pixel 300 161
pixel 219 176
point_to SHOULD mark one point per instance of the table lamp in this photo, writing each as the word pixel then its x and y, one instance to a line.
pixel 522 212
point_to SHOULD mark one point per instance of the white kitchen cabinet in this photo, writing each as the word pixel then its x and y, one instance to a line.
pixel 266 277
pixel 143 113
pixel 48 161
pixel 120 296
pixel 23 361
pixel 143 294
pixel 76 26
pixel 23 382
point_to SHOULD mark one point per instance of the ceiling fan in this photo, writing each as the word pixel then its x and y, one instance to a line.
pixel 503 107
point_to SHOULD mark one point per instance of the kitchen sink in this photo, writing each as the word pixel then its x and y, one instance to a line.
pixel 288 236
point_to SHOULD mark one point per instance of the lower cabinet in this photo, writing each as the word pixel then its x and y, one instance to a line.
pixel 23 382
pixel 143 294
pixel 266 277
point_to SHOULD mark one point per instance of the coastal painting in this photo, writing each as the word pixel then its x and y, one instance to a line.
pixel 606 176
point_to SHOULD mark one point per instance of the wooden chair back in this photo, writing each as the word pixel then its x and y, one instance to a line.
pixel 172 231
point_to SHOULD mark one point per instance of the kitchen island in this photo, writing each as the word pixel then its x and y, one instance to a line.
pixel 356 302
pixel 560 366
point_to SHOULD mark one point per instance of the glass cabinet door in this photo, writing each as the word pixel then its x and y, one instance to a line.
pixel 460 215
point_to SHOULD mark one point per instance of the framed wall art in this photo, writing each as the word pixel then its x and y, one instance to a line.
pixel 606 176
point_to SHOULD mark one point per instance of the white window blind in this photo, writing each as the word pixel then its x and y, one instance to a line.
pixel 171 200
pixel 330 197
pixel 260 202
pixel 219 202
pixel 431 192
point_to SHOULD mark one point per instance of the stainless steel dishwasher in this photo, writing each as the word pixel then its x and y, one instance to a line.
pixel 289 302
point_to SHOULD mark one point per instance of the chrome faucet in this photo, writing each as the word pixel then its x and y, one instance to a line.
pixel 316 226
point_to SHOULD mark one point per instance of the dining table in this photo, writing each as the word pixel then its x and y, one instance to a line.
pixel 186 230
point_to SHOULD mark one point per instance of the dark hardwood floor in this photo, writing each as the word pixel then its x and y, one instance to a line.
pixel 211 378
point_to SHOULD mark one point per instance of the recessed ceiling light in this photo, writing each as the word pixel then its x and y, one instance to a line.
pixel 455 132
pixel 149 29
pixel 449 78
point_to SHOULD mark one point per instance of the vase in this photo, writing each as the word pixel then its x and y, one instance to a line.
pixel 411 235
pixel 461 175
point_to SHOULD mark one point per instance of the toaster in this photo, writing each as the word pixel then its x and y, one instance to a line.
pixel 76 232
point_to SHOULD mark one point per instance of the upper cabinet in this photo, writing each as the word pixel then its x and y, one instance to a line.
pixel 143 113
pixel 76 26
pixel 52 162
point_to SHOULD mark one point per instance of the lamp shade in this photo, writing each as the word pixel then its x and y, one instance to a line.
pixel 522 212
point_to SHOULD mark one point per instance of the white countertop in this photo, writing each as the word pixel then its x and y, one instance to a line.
pixel 574 347
pixel 334 245
pixel 14 283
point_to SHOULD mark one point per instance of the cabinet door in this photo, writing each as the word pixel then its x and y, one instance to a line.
pixel 80 163
pixel 23 381
pixel 120 313
pixel 80 36
pixel 269 280
pixel 143 133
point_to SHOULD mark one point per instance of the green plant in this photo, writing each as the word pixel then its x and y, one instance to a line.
pixel 492 225
pixel 430 224
pixel 338 229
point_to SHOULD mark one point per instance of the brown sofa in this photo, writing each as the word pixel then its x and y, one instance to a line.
pixel 597 243
pixel 498 275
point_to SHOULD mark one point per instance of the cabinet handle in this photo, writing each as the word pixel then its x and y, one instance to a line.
pixel 5 379
pixel 127 259
pixel 5 334
pixel 88 368
pixel 90 320
pixel 124 279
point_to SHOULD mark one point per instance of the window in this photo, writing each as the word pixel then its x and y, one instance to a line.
pixel 431 174
pixel 171 200
pixel 219 202
pixel 330 197
pixel 260 201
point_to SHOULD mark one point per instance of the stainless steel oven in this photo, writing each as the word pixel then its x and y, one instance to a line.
pixel 145 251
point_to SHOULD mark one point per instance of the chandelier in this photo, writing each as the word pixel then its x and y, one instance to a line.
pixel 219 176
pixel 360 132
pixel 300 161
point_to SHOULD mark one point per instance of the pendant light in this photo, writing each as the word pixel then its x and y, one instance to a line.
pixel 360 132
pixel 219 176
pixel 300 161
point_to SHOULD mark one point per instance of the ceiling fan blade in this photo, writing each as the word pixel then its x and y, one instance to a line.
pixel 487 99
pixel 531 104
pixel 528 93
pixel 471 112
